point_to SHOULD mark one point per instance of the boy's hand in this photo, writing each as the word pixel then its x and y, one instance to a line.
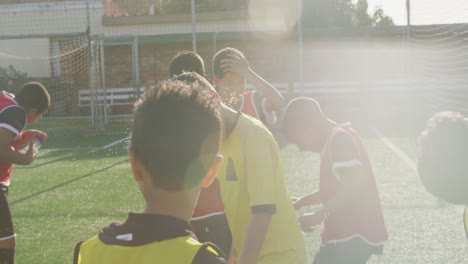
pixel 29 155
pixel 235 64
pixel 233 260
pixel 308 222
pixel 29 136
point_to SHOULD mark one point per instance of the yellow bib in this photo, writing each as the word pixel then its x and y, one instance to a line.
pixel 178 250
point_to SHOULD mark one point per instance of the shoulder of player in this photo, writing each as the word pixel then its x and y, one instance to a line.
pixel 341 137
pixel 209 254
pixel 250 127
pixel 77 252
pixel 343 145
pixel 13 118
pixel 13 108
pixel 249 123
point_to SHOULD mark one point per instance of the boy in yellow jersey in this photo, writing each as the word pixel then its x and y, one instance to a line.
pixel 173 153
pixel 257 203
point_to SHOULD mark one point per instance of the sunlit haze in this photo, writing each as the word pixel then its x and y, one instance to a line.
pixel 424 11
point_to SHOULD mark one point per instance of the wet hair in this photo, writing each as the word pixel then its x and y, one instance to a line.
pixel 33 95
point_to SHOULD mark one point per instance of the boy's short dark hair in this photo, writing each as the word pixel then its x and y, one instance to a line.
pixel 33 95
pixel 221 55
pixel 443 157
pixel 186 61
pixel 176 133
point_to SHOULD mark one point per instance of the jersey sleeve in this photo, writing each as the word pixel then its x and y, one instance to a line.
pixel 344 154
pixel 262 169
pixel 260 102
pixel 209 254
pixel 13 118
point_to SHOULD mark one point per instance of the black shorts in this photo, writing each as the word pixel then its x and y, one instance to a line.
pixel 214 229
pixel 354 251
pixel 6 223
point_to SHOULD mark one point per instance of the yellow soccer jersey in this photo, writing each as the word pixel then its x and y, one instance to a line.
pixel 251 180
pixel 145 239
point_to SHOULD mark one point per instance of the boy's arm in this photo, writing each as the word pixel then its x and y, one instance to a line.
pixel 350 187
pixel 256 234
pixel 9 154
pixel 348 170
pixel 274 100
pixel 308 200
pixel 263 172
pixel 28 136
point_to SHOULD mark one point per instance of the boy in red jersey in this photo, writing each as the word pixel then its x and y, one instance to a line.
pixel 31 102
pixel 230 73
pixel 354 227
pixel 209 219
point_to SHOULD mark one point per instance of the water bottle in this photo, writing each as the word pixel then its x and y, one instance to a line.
pixel 37 143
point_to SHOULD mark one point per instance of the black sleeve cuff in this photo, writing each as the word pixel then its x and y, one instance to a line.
pixel 77 252
pixel 264 208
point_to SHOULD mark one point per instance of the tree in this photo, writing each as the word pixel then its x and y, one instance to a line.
pixel 184 6
pixel 380 19
pixel 342 13
pixel 11 79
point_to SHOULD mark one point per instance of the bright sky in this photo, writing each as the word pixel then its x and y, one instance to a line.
pixel 425 11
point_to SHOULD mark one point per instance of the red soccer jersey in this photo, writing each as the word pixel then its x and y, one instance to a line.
pixel 12 118
pixel 253 104
pixel 363 217
pixel 209 202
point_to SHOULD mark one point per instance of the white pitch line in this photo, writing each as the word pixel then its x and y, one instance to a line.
pixel 110 145
pixel 410 162
pixel 116 142
pixel 402 155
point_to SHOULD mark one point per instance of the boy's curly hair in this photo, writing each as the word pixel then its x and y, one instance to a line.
pixel 443 157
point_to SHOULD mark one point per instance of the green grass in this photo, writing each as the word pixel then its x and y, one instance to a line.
pixel 65 197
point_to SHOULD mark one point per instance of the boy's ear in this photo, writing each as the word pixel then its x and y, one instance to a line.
pixel 212 172
pixel 137 168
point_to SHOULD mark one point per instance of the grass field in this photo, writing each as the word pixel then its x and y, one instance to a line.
pixel 67 196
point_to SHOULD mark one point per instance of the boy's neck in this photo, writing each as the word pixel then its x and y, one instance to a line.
pixel 229 117
pixel 175 204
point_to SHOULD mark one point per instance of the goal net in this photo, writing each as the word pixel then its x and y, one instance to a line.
pixel 442 49
pixel 49 43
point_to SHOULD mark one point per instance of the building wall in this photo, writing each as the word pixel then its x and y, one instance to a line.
pixel 71 17
pixel 361 58
pixel 325 60
pixel 20 55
